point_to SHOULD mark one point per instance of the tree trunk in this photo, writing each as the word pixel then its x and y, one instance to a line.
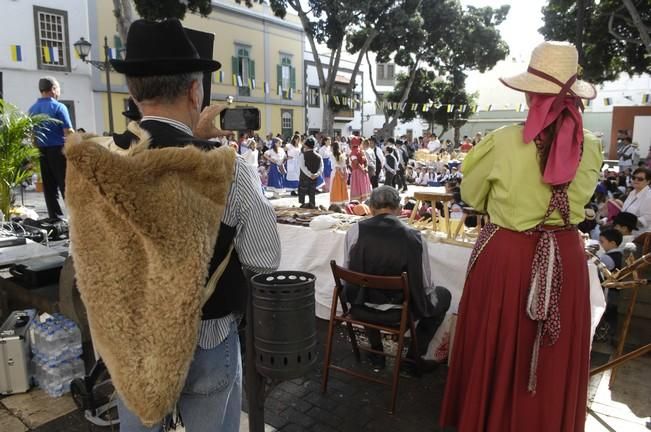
pixel 124 16
pixel 328 120
pixel 639 24
pixel 457 135
pixel 580 22
pixel 389 126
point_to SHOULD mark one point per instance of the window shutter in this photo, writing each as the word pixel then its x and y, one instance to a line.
pixel 252 69
pixel 279 70
pixel 292 77
pixel 236 68
pixel 390 72
pixel 379 72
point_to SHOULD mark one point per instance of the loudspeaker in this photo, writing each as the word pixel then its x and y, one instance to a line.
pixel 204 43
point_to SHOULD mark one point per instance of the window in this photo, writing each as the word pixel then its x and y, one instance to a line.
pixel 287 122
pixel 71 111
pixel 385 74
pixel 314 97
pixel 286 77
pixel 51 30
pixel 243 71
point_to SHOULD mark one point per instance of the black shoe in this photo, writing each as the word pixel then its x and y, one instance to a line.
pixel 292 193
pixel 377 361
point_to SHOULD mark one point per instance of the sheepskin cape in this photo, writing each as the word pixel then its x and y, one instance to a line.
pixel 143 225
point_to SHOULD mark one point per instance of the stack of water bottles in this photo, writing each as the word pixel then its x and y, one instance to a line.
pixel 57 350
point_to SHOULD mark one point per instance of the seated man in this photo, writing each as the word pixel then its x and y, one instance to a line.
pixel 625 223
pixel 385 246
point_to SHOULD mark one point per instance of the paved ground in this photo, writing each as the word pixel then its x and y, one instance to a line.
pixel 354 405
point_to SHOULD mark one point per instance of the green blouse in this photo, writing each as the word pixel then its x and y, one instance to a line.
pixel 501 175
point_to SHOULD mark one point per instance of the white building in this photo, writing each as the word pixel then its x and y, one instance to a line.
pixel 364 118
pixel 36 40
pixel 384 78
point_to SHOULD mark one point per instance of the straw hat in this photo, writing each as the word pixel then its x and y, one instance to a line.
pixel 557 60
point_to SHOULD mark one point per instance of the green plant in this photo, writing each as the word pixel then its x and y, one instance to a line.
pixel 17 152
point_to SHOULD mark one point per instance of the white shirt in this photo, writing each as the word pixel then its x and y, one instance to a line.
pixel 434 145
pixel 639 203
pixel 251 158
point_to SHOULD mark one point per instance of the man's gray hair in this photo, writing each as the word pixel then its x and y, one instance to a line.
pixel 384 197
pixel 161 88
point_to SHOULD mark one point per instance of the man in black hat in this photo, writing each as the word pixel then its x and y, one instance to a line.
pixel 164 75
pixel 311 165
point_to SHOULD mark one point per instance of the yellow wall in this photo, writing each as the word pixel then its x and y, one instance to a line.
pixel 229 29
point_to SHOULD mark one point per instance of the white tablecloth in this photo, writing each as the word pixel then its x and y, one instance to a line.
pixel 307 250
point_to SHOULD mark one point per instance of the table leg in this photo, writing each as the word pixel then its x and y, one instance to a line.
pixel 446 212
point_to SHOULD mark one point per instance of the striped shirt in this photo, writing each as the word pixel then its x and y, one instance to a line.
pixel 256 237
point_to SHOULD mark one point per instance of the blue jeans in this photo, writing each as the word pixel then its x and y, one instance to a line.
pixel 211 399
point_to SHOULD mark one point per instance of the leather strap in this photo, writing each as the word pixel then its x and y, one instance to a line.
pixel 565 87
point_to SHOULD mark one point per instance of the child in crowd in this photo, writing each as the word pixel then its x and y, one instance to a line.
pixel 610 240
pixel 625 223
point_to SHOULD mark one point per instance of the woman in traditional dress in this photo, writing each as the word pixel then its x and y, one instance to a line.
pixel 521 352
pixel 293 150
pixel 338 188
pixel 360 184
pixel 326 154
pixel 276 158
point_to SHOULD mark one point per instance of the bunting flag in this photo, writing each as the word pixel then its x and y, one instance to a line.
pixel 490 107
pixel 221 77
pixel 520 108
pixel 378 104
pixel 253 83
pixel 414 106
pixel 16 53
pixel 450 108
pixel 280 89
pixel 474 108
pixel 234 80
pixel 646 98
pixel 588 102
pixel 50 55
pixel 112 53
pixel 266 87
pixel 462 108
pixel 336 99
pixel 426 107
pixel 291 93
pixel 239 81
pixel 608 101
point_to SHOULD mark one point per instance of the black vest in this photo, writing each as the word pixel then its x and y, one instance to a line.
pixel 388 247
pixel 617 258
pixel 230 295
pixel 312 163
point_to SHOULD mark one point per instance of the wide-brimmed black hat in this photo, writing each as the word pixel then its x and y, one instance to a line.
pixel 161 48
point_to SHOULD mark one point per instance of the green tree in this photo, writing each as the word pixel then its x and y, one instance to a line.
pixel 337 25
pixel 449 40
pixel 436 93
pixel 161 9
pixel 624 47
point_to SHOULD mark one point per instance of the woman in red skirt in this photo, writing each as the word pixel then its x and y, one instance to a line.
pixel 520 360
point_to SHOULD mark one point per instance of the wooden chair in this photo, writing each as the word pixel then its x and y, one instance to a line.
pixel 388 283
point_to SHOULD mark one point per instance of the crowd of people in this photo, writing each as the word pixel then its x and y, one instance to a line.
pixel 348 168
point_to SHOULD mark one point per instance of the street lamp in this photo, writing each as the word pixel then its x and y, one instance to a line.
pixel 82 47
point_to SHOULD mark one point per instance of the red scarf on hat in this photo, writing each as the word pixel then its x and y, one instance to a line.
pixel 565 152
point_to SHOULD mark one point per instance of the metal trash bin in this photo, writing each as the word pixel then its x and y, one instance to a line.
pixel 284 325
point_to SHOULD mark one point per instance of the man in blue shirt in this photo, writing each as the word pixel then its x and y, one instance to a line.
pixel 50 139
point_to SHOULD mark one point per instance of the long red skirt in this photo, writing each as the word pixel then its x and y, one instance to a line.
pixel 487 382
